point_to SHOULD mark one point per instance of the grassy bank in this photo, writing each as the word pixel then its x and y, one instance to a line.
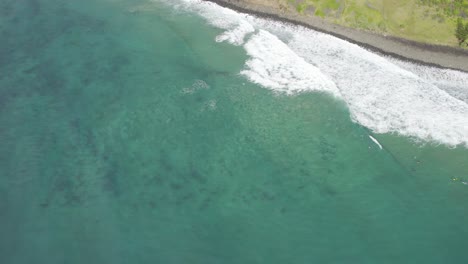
pixel 430 21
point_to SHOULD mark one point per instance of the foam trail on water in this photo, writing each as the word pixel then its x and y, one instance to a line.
pixel 384 94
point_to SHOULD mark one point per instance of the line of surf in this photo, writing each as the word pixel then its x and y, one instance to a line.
pixel 384 94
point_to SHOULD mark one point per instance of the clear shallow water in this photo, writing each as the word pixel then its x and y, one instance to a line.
pixel 129 136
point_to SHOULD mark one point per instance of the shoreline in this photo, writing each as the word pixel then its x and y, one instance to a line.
pixel 438 56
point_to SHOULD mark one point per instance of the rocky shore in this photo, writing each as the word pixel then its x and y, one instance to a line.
pixel 433 55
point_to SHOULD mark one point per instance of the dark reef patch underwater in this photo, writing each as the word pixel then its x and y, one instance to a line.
pixel 127 135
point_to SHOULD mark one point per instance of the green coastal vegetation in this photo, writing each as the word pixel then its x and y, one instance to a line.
pixel 430 21
pixel 462 33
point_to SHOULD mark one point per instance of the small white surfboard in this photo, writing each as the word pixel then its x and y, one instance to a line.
pixel 375 141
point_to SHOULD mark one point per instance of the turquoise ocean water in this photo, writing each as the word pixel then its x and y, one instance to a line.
pixel 127 135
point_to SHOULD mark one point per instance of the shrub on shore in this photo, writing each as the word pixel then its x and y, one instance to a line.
pixel 461 32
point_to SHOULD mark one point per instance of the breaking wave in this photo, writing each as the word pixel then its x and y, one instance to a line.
pixel 384 94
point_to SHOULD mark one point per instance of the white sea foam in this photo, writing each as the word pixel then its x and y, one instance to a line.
pixel 274 65
pixel 235 24
pixel 453 82
pixel 197 85
pixel 237 35
pixel 383 94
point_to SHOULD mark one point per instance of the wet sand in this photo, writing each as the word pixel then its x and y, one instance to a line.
pixel 408 50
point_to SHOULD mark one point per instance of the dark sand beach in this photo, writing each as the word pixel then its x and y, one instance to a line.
pixel 408 50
